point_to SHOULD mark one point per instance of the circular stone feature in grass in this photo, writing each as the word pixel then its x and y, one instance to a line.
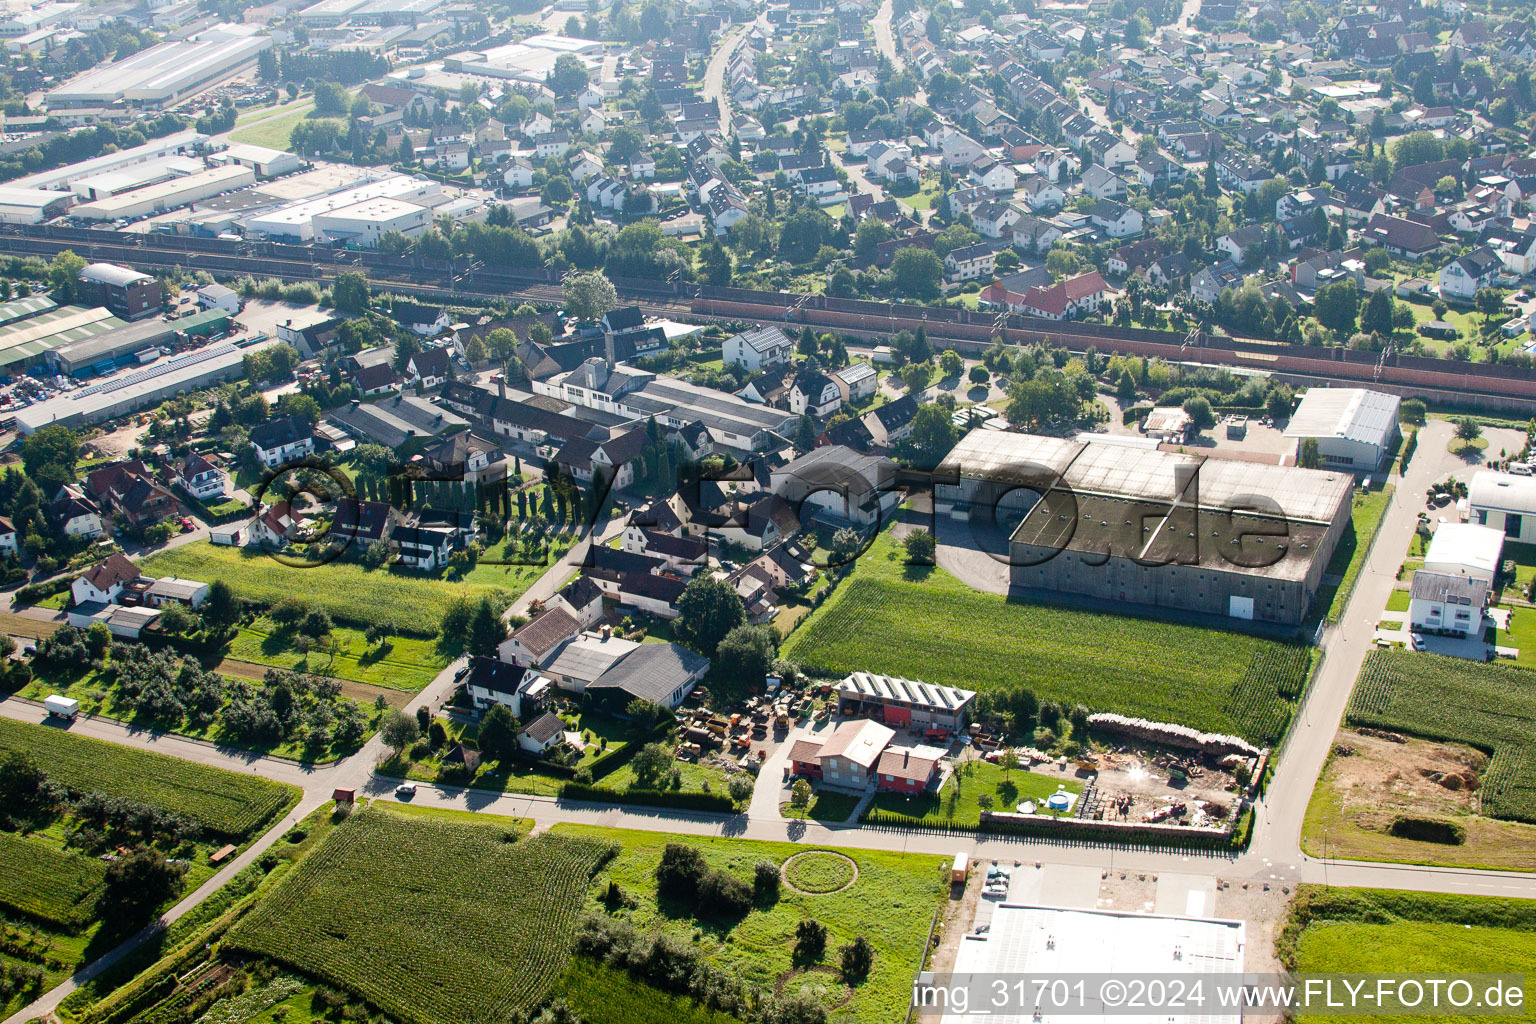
pixel 818 872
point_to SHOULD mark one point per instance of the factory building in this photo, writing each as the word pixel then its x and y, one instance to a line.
pixel 1354 428
pixel 168 195
pixel 128 294
pixel 164 74
pixel 25 339
pixel 32 205
pixel 126 179
pixel 1170 530
pixel 295 222
pixel 176 144
pixel 103 352
pixel 267 163
pixel 139 389
pixel 363 224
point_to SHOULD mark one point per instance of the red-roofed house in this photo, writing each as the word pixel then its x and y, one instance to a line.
pixel 907 769
pixel 1081 294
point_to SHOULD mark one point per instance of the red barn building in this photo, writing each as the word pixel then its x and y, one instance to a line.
pixel 905 703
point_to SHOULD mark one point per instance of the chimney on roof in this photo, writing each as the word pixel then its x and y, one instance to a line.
pixel 607 632
pixel 501 385
pixel 608 348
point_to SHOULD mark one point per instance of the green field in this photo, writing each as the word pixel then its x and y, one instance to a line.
pixel 49 884
pixel 404 663
pixel 602 995
pixel 229 805
pixel 432 919
pixel 958 802
pixel 400 601
pixel 1368 508
pixel 925 624
pixel 891 904
pixel 1488 706
pixel 272 132
pixel 1385 931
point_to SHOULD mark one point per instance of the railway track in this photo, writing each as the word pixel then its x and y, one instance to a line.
pixel 1457 383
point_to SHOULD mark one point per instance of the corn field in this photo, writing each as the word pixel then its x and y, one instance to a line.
pixel 1488 706
pixel 430 921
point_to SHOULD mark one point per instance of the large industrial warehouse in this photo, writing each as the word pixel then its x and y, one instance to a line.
pixel 1241 540
pixel 163 74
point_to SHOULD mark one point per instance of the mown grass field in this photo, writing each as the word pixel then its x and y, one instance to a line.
pixel 48 884
pixel 958 803
pixel 401 602
pixel 431 919
pixel 230 805
pixel 891 904
pixel 404 663
pixel 925 624
pixel 1488 706
pixel 1391 932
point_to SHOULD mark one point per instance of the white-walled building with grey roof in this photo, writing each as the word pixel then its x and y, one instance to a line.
pixel 1354 428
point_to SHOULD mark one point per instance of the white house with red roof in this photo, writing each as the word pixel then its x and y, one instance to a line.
pixel 1077 295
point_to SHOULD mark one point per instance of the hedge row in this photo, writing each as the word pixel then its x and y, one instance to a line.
pixel 1073 830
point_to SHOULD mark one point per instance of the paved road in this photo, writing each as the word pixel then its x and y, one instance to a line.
pixel 885 42
pixel 714 76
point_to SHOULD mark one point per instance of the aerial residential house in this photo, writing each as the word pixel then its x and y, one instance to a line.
pixel 1401 237
pixel 1102 183
pixel 491 681
pixel 1242 244
pixel 849 757
pixel 8 544
pixel 891 423
pixel 552 143
pixel 995 220
pixel 73 514
pixel 1041 195
pixel 201 478
pixel 856 381
pixel 1447 605
pixel 540 735
pixel 1111 150
pixel 970 262
pixel 960 150
pixel 908 770
pixel 359 522
pixel 814 394
pixel 1035 235
pixel 428 369
pixel 282 440
pixel 991 173
pixel 1116 219
pixel 1235 170
pixel 102 582
pixel 427 321
pixel 1075 296
pixel 518 173
pixel 424 548
pixel 1210 282
pixel 758 347
pixel 1462 278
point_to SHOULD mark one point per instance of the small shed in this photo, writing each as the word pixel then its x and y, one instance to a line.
pixel 1237 428
pixel 222 854
pixel 344 796
pixel 1439 329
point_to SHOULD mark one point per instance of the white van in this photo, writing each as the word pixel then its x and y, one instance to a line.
pixel 1520 468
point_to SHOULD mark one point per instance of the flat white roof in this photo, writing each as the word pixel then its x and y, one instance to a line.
pixel 1025 940
pixel 100 164
pixel 1465 544
pixel 1354 414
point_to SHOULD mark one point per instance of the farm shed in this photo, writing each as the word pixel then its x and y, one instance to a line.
pixel 904 703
